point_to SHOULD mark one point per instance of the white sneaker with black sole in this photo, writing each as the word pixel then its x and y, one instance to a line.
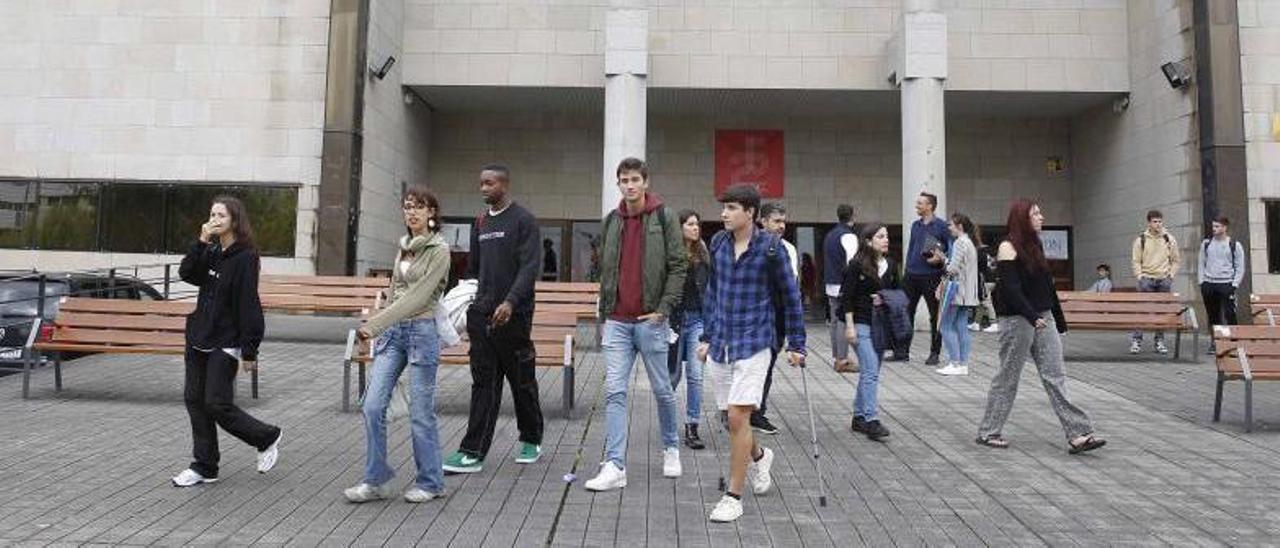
pixel 1161 348
pixel 267 458
pixel 1135 347
pixel 189 477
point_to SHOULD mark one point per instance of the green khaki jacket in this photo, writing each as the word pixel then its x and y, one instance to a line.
pixel 665 262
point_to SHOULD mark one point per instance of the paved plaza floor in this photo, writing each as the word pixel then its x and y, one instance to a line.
pixel 92 464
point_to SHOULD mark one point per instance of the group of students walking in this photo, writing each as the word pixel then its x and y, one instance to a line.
pixel 716 314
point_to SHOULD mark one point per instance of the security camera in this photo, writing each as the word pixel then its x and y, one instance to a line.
pixel 1176 73
pixel 381 71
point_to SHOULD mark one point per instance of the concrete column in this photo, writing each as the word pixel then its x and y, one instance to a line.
pixel 626 66
pixel 921 69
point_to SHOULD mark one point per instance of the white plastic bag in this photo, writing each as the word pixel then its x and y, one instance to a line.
pixel 451 313
pixel 398 408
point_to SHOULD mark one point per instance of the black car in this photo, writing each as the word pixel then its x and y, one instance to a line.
pixel 19 303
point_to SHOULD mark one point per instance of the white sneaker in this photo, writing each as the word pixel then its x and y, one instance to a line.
pixel 727 510
pixel 758 472
pixel 671 463
pixel 189 477
pixel 993 328
pixel 416 494
pixel 610 477
pixel 953 368
pixel 1135 347
pixel 975 327
pixel 1161 348
pixel 365 492
pixel 267 459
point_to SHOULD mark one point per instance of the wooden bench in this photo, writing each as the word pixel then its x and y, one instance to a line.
pixel 1086 310
pixel 579 298
pixel 345 295
pixel 111 326
pixel 1246 353
pixel 1266 308
pixel 552 335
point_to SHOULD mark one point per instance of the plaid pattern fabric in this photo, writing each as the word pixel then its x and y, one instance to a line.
pixel 738 313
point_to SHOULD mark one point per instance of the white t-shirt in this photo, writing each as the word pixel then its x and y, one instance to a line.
pixel 850 244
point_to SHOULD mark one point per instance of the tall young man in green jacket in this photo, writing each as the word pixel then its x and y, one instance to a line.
pixel 643 265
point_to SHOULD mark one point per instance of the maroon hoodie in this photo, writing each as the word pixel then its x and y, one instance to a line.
pixel 631 261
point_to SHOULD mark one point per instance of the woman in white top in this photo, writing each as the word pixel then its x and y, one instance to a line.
pixel 962 268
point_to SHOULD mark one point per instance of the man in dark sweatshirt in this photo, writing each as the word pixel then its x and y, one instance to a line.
pixel 505 259
pixel 642 277
pixel 926 256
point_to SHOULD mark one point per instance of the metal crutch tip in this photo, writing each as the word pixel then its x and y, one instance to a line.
pixel 822 501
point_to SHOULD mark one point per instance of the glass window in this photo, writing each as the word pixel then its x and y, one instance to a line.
pixel 17 202
pixel 1273 236
pixel 67 216
pixel 272 213
pixel 133 218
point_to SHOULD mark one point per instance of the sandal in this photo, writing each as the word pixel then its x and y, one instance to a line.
pixel 997 441
pixel 1089 444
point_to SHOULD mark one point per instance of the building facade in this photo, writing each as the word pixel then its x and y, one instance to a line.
pixel 130 113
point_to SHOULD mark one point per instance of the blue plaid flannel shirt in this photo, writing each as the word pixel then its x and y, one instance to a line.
pixel 738 313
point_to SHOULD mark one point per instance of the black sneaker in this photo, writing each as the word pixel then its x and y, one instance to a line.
pixel 875 431
pixel 858 425
pixel 761 424
pixel 933 360
pixel 900 358
pixel 691 437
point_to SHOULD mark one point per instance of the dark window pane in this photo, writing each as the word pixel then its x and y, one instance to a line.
pixel 67 216
pixel 133 218
pixel 17 203
pixel 272 213
pixel 1273 236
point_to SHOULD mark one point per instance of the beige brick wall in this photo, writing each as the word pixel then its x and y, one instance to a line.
pixel 1144 157
pixel 396 136
pixel 1042 45
pixel 555 163
pixel 1260 74
pixel 180 90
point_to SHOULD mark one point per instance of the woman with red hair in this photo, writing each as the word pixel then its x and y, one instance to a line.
pixel 1030 323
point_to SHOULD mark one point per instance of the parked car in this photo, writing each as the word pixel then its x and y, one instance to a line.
pixel 19 303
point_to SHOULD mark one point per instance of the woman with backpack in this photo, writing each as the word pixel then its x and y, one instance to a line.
pixel 223 334
pixel 870 272
pixel 407 337
pixel 687 322
pixel 1030 323
pixel 961 271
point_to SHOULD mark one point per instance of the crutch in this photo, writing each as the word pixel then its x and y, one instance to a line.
pixel 721 419
pixel 813 436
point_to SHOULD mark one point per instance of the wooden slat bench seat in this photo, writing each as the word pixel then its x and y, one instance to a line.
pixel 1245 353
pixel 1266 308
pixel 1090 311
pixel 346 295
pixel 112 326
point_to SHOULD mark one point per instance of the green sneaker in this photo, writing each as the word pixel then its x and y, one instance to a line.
pixel 462 463
pixel 529 453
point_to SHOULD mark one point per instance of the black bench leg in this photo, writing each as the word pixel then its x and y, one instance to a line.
pixel 57 371
pixel 1248 405
pixel 1177 344
pixel 1217 398
pixel 346 386
pixel 253 385
pixel 567 396
pixel 26 373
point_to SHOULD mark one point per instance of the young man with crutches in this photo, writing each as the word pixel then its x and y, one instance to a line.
pixel 749 268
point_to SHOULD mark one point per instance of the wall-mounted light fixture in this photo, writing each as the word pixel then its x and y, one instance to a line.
pixel 380 72
pixel 1176 73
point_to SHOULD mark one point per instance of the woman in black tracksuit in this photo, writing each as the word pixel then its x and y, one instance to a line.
pixel 223 333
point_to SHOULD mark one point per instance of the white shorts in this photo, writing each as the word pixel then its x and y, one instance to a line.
pixel 740 382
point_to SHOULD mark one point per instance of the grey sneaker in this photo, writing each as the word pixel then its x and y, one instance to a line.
pixel 189 477
pixel 416 494
pixel 1161 348
pixel 365 492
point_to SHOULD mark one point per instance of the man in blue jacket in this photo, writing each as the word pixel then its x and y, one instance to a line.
pixel 838 249
pixel 926 256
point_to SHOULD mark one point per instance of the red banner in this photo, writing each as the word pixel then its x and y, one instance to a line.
pixel 752 156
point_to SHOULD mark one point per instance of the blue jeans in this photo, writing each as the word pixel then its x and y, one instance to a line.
pixel 620 343
pixel 686 361
pixel 864 398
pixel 414 343
pixel 955 334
